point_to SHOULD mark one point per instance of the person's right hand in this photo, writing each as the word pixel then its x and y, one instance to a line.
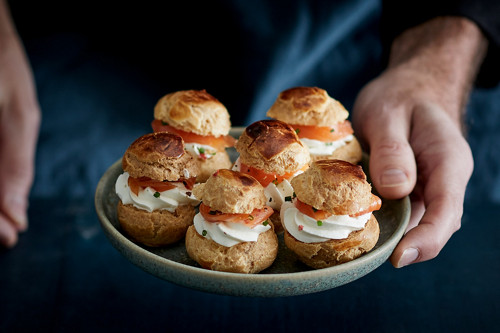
pixel 19 125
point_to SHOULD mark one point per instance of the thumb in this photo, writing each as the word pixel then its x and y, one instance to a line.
pixel 14 190
pixel 8 234
pixel 17 170
pixel 392 161
pixel 14 206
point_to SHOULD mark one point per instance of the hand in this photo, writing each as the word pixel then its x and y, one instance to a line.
pixel 417 148
pixel 19 124
pixel 410 119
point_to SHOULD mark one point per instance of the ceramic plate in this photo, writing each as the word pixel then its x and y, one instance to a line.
pixel 286 277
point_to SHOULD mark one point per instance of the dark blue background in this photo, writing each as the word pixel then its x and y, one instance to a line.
pixel 97 88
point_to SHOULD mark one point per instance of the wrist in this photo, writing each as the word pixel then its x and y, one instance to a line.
pixel 445 53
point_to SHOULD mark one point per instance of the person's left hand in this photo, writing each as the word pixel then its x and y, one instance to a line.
pixel 19 125
pixel 410 118
pixel 415 147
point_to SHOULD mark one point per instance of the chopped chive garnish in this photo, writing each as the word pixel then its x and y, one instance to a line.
pixel 329 143
pixel 288 198
pixel 265 223
pixel 156 195
pixel 297 131
pixel 204 233
pixel 164 123
pixel 332 130
pixel 320 223
pixel 201 150
pixel 213 154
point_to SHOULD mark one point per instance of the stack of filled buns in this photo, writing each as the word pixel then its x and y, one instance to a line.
pixel 295 175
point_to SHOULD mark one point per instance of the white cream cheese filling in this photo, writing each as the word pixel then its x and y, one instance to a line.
pixel 200 151
pixel 317 147
pixel 309 230
pixel 228 233
pixel 148 199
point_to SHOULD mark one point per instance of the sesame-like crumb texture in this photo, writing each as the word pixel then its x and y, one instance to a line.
pixel 231 192
pixel 307 106
pixel 159 156
pixel 272 146
pixel 208 166
pixel 158 228
pixel 246 257
pixel 335 251
pixel 193 111
pixel 336 186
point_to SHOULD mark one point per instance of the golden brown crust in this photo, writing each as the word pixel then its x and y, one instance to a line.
pixel 351 152
pixel 159 156
pixel 246 257
pixel 307 106
pixel 276 221
pixel 158 228
pixel 194 111
pixel 272 146
pixel 336 186
pixel 208 166
pixel 335 251
pixel 231 192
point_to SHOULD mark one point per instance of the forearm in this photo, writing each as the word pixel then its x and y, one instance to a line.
pixel 7 29
pixel 450 49
pixel 15 71
pixel 9 40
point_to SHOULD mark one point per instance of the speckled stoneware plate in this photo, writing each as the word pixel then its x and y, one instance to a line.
pixel 286 277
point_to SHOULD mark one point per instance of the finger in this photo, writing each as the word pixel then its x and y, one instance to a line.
pixel 425 241
pixel 14 207
pixel 16 174
pixel 417 210
pixel 16 165
pixel 8 234
pixel 444 197
pixel 392 162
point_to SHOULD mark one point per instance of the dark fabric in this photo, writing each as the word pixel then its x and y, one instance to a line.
pixel 97 97
pixel 397 16
pixel 242 52
pixel 98 78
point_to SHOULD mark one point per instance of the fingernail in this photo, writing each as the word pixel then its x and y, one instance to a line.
pixel 18 213
pixel 393 178
pixel 8 241
pixel 21 222
pixel 408 257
